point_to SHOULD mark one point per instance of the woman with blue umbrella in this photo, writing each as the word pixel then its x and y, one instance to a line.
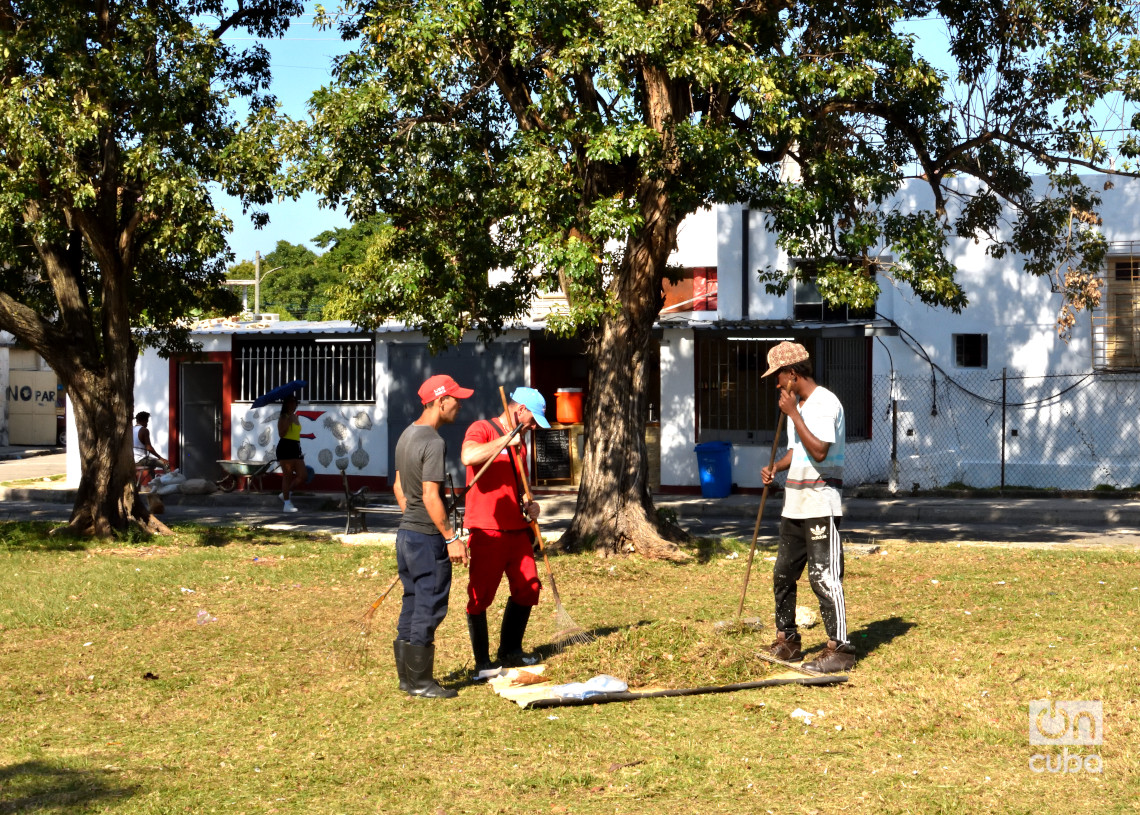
pixel 289 454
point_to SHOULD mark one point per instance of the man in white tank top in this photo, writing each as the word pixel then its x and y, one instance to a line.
pixel 144 451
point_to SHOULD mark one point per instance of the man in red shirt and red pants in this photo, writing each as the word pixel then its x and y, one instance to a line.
pixel 499 524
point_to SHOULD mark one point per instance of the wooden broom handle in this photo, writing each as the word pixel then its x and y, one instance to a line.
pixel 759 515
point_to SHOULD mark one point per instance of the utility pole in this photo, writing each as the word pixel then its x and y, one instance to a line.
pixel 256 282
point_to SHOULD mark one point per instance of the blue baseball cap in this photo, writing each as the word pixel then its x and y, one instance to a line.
pixel 532 400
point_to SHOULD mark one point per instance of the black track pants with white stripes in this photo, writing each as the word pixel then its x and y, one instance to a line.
pixel 813 542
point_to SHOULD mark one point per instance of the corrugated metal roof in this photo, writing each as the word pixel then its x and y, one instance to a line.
pixel 284 327
pixel 275 327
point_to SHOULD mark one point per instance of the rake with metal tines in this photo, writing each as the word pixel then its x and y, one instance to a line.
pixel 567 631
pixel 351 639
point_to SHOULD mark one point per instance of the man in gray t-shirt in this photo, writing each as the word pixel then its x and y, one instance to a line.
pixel 426 543
pixel 419 458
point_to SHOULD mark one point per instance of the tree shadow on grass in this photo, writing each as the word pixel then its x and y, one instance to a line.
pixel 219 536
pixel 37 536
pixel 38 786
pixel 705 549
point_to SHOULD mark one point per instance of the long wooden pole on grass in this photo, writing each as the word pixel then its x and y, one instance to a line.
pixel 759 515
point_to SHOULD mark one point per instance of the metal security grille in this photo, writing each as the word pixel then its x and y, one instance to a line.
pixel 1116 321
pixel 735 403
pixel 341 370
pixel 842 365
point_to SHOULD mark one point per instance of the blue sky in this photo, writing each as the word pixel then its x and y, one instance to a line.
pixel 301 63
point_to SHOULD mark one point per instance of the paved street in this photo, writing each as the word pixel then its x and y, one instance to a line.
pixel 1036 522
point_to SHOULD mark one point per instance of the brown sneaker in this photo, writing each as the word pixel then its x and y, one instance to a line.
pixel 835 659
pixel 786 647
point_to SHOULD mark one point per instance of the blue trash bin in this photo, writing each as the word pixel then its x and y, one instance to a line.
pixel 714 462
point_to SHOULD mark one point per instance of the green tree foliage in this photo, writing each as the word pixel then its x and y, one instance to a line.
pixel 565 141
pixel 113 125
pixel 299 284
pixel 292 285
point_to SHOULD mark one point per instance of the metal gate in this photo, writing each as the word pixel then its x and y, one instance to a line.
pixel 481 367
pixel 200 418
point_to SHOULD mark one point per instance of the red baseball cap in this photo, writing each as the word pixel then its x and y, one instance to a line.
pixel 442 385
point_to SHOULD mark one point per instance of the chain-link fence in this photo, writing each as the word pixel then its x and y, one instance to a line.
pixel 1069 431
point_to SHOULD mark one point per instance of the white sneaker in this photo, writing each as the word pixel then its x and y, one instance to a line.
pixel 290 508
pixel 281 496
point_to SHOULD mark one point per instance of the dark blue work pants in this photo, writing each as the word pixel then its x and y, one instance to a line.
pixel 425 572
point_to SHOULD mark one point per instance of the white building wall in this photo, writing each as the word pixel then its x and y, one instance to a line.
pixel 678 407
pixel 6 341
pixel 152 394
pixel 1074 441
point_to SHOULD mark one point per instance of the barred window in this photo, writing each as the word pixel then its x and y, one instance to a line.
pixel 1122 301
pixel 340 369
pixel 736 403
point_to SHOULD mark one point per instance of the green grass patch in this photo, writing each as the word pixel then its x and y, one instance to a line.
pixel 220 671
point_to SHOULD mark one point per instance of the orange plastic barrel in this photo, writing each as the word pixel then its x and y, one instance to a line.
pixel 568 405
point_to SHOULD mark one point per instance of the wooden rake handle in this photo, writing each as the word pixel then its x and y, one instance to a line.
pixel 759 515
pixel 514 453
pixel 506 440
pixel 372 608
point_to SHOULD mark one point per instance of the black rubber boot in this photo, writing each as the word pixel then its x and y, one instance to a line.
pixel 480 648
pixel 515 619
pixel 401 669
pixel 419 664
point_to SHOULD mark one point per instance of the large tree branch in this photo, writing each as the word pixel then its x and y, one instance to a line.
pixel 914 137
pixel 497 66
pixel 36 332
pixel 65 279
pixel 237 18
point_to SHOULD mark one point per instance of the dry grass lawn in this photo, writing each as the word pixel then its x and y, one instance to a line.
pixel 220 672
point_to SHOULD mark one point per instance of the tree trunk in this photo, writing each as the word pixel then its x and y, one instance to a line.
pixel 107 501
pixel 615 512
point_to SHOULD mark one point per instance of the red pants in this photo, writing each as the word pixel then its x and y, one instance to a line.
pixel 497 552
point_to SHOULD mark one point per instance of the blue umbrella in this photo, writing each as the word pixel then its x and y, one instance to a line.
pixel 279 393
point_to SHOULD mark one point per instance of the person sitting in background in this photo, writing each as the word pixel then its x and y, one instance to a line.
pixel 145 454
pixel 147 459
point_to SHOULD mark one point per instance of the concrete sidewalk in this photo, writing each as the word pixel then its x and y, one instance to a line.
pixel 18 452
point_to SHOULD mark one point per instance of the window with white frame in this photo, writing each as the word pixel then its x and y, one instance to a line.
pixel 694 289
pixel 809 305
pixel 337 369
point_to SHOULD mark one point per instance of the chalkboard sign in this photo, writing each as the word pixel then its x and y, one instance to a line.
pixel 552 454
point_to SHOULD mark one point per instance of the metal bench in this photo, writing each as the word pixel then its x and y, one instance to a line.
pixel 356 507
